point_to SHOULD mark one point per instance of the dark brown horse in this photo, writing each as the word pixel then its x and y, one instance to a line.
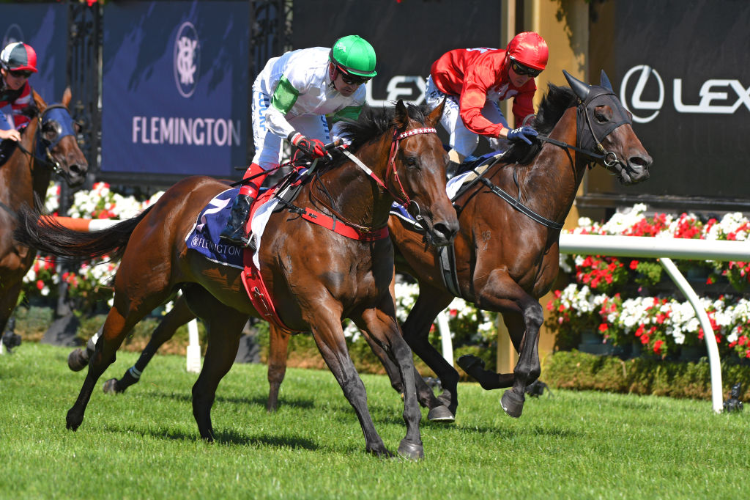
pixel 507 252
pixel 316 277
pixel 48 145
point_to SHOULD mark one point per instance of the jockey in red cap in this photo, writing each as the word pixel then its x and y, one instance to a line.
pixel 17 63
pixel 474 81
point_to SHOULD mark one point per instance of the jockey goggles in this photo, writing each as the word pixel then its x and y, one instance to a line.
pixel 21 73
pixel 522 70
pixel 350 79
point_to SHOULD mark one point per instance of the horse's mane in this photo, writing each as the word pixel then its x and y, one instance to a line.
pixel 555 102
pixel 372 123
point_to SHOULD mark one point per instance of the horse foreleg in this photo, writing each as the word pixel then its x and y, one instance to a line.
pixel 277 357
pixel 383 329
pixel 524 317
pixel 178 316
pixel 329 337
pixel 438 411
pixel 416 330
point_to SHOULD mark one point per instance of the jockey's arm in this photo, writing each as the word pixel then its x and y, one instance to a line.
pixel 6 129
pixel 282 101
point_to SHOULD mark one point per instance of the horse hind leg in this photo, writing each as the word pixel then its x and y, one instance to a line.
pixel 178 316
pixel 224 328
pixel 277 358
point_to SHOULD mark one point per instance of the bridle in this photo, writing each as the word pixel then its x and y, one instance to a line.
pixel 43 150
pixel 402 198
pixel 588 142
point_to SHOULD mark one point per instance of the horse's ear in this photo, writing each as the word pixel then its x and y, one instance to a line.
pixel 67 96
pixel 604 82
pixel 434 117
pixel 579 88
pixel 401 117
pixel 38 101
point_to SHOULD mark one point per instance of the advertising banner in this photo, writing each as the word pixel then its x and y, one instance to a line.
pixel 45 28
pixel 175 88
pixel 681 68
pixel 407 36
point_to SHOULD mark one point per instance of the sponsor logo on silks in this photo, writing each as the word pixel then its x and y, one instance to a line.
pixel 714 95
pixel 12 35
pixel 187 51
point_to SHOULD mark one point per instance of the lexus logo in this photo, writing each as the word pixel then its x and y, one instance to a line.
pixel 632 99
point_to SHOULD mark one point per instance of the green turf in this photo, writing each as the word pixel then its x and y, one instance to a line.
pixel 144 444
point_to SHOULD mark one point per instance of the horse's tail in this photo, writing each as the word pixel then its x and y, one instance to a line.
pixel 50 237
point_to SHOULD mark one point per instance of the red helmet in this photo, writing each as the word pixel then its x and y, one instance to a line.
pixel 529 49
pixel 18 56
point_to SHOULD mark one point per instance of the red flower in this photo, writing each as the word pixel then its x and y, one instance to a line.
pixel 657 346
pixel 40 284
pixel 603 327
pixel 633 264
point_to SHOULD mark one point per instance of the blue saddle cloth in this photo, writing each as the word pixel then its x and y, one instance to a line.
pixel 204 237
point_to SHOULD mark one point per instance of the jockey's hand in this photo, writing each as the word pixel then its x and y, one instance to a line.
pixel 12 134
pixel 311 147
pixel 522 134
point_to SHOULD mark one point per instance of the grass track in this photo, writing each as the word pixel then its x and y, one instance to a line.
pixel 144 444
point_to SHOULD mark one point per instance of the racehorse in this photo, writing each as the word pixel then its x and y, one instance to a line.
pixel 506 255
pixel 507 248
pixel 317 277
pixel 48 145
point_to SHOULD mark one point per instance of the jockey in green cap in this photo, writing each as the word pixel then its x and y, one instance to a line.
pixel 294 97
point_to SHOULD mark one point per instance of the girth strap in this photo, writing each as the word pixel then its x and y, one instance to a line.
pixel 447 259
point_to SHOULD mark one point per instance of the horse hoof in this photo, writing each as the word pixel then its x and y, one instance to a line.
pixel 72 422
pixel 110 386
pixel 441 414
pixel 77 361
pixel 512 403
pixel 411 450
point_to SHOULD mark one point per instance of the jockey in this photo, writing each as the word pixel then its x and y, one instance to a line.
pixel 473 81
pixel 17 63
pixel 292 97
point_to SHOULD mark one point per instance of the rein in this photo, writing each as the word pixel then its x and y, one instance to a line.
pixel 608 158
pixel 366 233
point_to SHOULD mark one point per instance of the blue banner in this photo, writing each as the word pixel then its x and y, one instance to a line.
pixel 45 28
pixel 175 87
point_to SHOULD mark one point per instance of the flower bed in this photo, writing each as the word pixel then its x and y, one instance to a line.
pixel 625 302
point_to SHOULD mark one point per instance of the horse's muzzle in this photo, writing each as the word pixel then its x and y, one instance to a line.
pixel 635 169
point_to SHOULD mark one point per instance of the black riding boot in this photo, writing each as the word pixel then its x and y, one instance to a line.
pixel 235 228
pixel 451 169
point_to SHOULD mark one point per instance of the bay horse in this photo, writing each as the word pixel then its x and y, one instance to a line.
pixel 48 145
pixel 316 276
pixel 507 249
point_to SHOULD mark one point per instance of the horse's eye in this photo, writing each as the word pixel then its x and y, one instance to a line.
pixel 50 131
pixel 602 114
pixel 411 161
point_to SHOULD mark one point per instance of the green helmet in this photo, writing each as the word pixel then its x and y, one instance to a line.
pixel 354 55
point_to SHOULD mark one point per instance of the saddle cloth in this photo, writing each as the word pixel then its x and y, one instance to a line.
pixel 204 239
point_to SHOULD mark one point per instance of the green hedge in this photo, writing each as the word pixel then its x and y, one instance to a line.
pixel 581 371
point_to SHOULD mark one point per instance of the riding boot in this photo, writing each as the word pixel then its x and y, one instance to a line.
pixel 235 228
pixel 451 169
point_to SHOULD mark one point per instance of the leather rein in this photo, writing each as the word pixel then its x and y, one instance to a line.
pixel 358 232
